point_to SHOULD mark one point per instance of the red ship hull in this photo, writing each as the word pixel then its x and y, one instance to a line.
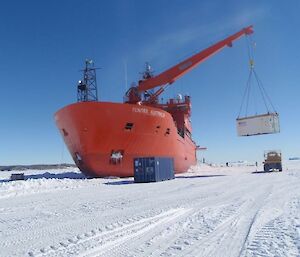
pixel 104 138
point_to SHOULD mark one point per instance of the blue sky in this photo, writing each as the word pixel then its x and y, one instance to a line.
pixel 43 46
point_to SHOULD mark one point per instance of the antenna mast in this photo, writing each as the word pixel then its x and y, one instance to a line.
pixel 87 88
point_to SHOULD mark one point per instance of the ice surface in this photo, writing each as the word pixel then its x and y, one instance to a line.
pixel 208 211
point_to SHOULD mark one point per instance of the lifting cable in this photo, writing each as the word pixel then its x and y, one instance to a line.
pixel 253 75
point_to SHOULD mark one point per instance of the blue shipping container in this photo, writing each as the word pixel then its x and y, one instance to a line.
pixel 153 169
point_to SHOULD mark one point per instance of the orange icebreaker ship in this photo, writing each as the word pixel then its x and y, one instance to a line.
pixel 104 138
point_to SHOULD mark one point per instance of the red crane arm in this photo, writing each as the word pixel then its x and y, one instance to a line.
pixel 175 72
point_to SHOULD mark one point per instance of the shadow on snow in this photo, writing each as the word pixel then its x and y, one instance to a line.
pixel 263 172
pixel 122 182
pixel 201 176
pixel 126 182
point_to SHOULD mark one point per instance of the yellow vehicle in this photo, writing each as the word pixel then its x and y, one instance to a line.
pixel 272 161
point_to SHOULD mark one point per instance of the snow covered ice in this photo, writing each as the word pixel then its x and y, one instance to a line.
pixel 208 211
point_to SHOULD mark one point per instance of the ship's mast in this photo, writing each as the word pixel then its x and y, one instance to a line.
pixel 87 88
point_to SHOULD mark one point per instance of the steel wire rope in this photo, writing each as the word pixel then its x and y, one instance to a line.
pixel 261 90
pixel 250 74
pixel 250 42
pixel 246 94
pixel 266 99
pixel 251 51
pixel 265 92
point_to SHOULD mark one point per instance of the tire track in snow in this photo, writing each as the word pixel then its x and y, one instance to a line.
pixel 100 242
pixel 275 233
pixel 225 239
pixel 179 204
pixel 18 235
pixel 178 240
pixel 280 236
pixel 188 231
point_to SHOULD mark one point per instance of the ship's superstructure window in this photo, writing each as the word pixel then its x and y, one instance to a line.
pixel 128 126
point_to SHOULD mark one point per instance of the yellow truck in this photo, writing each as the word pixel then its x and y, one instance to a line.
pixel 272 161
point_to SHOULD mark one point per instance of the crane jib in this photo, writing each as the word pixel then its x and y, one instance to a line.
pixel 149 81
pixel 185 65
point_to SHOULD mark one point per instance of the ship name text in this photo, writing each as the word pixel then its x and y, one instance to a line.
pixel 148 112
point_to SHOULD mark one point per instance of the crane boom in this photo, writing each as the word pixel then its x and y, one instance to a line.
pixel 177 71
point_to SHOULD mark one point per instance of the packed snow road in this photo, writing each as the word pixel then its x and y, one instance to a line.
pixel 209 211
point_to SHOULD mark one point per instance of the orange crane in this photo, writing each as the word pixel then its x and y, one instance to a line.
pixel 171 75
pixel 180 109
